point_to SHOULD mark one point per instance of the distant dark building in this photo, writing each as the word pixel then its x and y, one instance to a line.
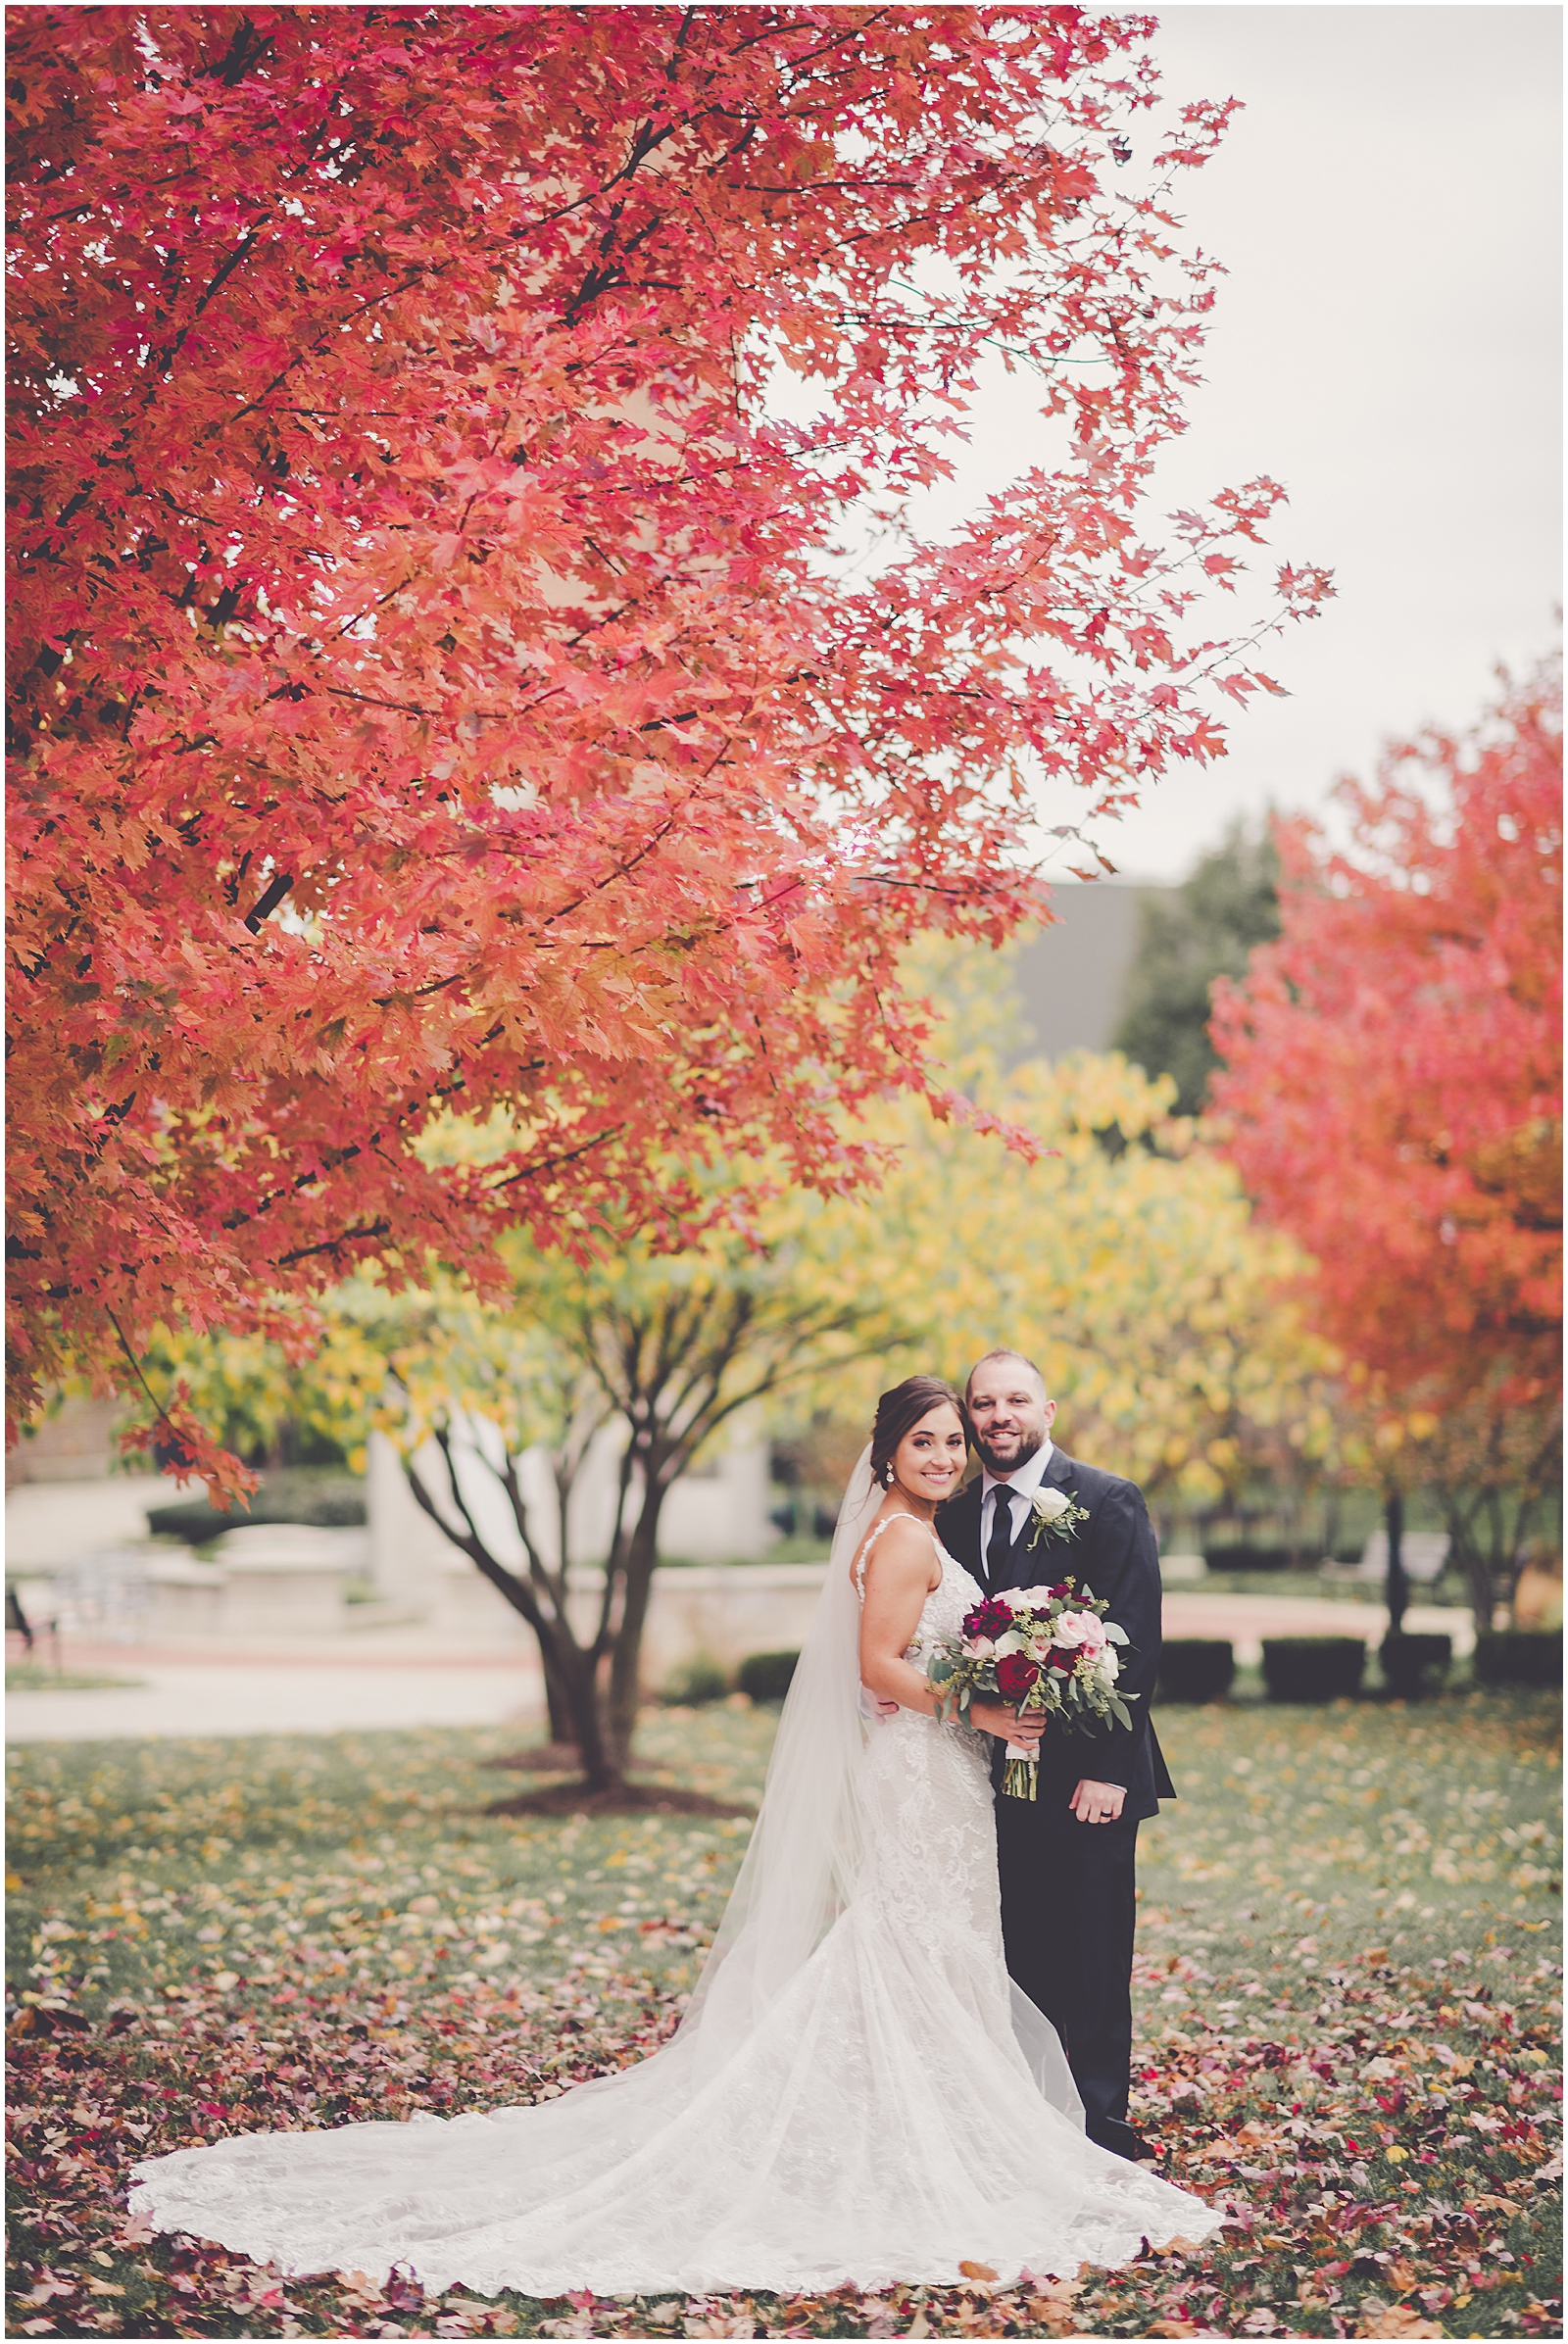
pixel 1073 976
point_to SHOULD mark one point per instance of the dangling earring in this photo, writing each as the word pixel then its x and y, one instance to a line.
pixel 887 1477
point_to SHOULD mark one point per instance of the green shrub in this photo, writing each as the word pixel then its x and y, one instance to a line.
pixel 766 1676
pixel 1414 1664
pixel 695 1681
pixel 1251 1554
pixel 324 1500
pixel 1520 1656
pixel 32 1676
pixel 1313 1668
pixel 1195 1668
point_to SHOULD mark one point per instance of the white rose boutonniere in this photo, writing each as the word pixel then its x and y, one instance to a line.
pixel 1057 1515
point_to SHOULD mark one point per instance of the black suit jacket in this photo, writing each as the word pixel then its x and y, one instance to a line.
pixel 1115 1556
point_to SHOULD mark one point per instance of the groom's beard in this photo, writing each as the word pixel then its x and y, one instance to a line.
pixel 1002 1465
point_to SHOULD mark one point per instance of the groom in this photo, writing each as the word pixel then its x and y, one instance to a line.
pixel 1066 1859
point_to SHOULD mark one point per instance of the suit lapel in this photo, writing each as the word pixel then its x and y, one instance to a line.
pixel 1060 1471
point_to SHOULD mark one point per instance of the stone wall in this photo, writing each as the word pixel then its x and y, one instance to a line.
pixel 74 1444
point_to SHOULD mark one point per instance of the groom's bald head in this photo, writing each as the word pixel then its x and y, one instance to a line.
pixel 1006 1359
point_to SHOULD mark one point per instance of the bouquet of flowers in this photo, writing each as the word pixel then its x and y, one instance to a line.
pixel 1046 1650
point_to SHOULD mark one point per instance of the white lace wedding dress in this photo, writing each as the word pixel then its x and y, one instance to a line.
pixel 857 2093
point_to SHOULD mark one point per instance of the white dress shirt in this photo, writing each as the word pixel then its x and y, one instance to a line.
pixel 1015 1492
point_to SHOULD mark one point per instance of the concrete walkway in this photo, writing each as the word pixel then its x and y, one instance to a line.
pixel 201 1694
pixel 392 1677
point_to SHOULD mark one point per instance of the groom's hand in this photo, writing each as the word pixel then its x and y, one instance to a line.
pixel 1098 1802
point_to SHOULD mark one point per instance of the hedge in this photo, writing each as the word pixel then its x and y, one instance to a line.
pixel 695 1681
pixel 1248 1554
pixel 1313 1668
pixel 1195 1668
pixel 1414 1664
pixel 1520 1656
pixel 327 1501
pixel 766 1676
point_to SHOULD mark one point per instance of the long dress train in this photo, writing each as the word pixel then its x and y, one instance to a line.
pixel 876 2112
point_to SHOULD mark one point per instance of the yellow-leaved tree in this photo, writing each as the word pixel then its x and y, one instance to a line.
pixel 1123 1258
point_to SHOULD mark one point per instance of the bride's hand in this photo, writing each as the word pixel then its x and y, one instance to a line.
pixel 995 1717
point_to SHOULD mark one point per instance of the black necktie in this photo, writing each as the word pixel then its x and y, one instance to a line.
pixel 999 1551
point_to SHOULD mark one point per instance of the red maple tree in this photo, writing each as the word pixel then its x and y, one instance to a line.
pixel 1392 1094
pixel 436 682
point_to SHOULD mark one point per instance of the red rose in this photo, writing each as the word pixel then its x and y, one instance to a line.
pixel 1062 1590
pixel 1015 1673
pixel 1062 1661
pixel 988 1617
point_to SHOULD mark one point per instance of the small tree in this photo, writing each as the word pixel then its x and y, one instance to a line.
pixel 1492 1459
pixel 1495 1462
pixel 1393 1099
pixel 668 1349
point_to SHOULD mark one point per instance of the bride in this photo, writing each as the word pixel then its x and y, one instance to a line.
pixel 856 2092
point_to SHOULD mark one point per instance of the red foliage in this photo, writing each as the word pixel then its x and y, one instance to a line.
pixel 1395 1063
pixel 433 682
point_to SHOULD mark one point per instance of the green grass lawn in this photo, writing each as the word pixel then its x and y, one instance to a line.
pixel 1347 1997
pixel 37 1677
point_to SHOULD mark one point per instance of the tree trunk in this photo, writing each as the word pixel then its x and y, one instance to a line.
pixel 574 1669
pixel 1465 1548
pixel 1396 1584
pixel 571 1668
pixel 625 1667
pixel 561 1727
pixel 603 1763
pixel 1477 1574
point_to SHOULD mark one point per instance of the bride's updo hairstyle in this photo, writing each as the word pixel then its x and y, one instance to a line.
pixel 899 1410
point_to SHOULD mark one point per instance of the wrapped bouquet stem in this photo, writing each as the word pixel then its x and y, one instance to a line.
pixel 1020 1775
pixel 1046 1651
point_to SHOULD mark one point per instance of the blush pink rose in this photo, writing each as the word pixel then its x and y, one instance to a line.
pixel 1079 1632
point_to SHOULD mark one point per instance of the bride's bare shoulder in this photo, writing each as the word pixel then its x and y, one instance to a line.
pixel 898 1552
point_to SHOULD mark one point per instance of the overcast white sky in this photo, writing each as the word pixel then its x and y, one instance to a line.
pixel 1387 345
